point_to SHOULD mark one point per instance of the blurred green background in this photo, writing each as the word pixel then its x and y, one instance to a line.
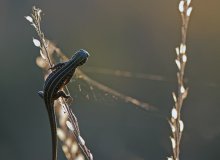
pixel 133 35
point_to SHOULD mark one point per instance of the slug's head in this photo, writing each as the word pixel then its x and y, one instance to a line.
pixel 80 57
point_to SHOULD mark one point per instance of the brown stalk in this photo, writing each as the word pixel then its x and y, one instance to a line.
pixel 176 123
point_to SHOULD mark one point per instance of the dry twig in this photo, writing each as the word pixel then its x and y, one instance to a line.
pixel 176 123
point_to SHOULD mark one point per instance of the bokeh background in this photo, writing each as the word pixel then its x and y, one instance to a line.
pixel 133 35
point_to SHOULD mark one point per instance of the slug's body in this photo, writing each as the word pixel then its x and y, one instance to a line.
pixel 60 76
